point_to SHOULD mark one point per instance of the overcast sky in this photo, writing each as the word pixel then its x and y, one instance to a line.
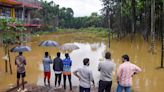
pixel 81 7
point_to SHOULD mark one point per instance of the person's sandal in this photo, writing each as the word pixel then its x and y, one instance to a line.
pixel 25 90
pixel 19 89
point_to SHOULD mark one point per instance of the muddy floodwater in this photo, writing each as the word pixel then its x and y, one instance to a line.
pixel 92 46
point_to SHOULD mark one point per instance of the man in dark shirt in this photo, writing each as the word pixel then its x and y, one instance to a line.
pixel 58 68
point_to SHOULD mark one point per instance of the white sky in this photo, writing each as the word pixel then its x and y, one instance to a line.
pixel 81 7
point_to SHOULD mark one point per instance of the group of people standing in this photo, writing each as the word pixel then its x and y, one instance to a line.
pixel 60 67
pixel 125 73
pixel 106 68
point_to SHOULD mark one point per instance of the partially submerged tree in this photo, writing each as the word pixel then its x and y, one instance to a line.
pixel 133 19
pixel 9 30
pixel 162 37
pixel 152 48
pixel 107 12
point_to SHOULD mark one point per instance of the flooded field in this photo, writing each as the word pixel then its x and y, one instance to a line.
pixel 92 46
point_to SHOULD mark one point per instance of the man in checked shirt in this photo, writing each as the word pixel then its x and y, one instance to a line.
pixel 125 73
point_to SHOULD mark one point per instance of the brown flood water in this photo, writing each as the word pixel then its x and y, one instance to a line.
pixel 93 47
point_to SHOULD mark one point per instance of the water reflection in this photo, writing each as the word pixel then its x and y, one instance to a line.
pixel 77 56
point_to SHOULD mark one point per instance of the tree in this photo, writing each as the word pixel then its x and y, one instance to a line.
pixel 152 48
pixel 133 18
pixel 146 19
pixel 162 37
pixel 107 12
pixel 7 38
pixel 9 28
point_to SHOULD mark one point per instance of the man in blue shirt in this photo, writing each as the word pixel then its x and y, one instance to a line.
pixel 67 63
pixel 47 70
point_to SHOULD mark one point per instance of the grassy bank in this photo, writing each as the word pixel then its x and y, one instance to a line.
pixel 98 31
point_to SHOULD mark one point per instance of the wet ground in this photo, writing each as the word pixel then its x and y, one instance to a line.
pixel 34 88
pixel 93 47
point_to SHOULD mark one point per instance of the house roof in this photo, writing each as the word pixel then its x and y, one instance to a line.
pixel 10 2
pixel 20 3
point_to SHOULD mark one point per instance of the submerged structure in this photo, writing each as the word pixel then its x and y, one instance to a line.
pixel 21 10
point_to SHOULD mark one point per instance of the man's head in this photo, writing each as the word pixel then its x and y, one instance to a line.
pixel 46 54
pixel 58 54
pixel 20 53
pixel 67 55
pixel 125 58
pixel 86 61
pixel 108 55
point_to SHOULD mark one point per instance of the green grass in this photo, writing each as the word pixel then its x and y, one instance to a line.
pixel 98 31
pixel 41 33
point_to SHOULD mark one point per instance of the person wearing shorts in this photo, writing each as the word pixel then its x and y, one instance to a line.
pixel 67 63
pixel 20 62
pixel 47 70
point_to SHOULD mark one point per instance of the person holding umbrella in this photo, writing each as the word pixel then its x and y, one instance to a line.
pixel 20 62
pixel 67 63
pixel 47 70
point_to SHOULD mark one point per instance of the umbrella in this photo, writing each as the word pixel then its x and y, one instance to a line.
pixel 36 19
pixel 49 43
pixel 68 47
pixel 20 49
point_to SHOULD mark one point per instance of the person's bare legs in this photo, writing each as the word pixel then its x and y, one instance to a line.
pixel 44 81
pixel 23 83
pixel 49 82
pixel 18 82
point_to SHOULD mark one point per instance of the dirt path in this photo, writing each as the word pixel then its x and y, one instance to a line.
pixel 34 88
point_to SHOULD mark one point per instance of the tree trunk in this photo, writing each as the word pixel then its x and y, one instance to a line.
pixel 109 38
pixel 162 38
pixel 152 48
pixel 6 66
pixel 120 31
pixel 9 61
pixel 108 21
pixel 162 49
pixel 109 31
pixel 146 22
pixel 133 19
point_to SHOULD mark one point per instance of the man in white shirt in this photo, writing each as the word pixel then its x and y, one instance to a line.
pixel 85 76
pixel 106 68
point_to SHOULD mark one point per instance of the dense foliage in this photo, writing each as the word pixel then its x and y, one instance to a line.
pixel 133 16
pixel 53 16
pixel 125 17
